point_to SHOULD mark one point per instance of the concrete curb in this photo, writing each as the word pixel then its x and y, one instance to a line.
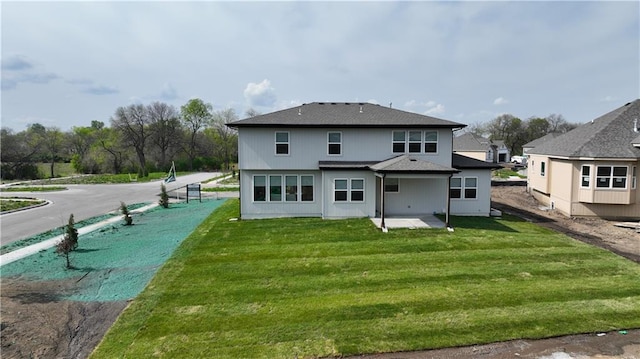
pixel 35 248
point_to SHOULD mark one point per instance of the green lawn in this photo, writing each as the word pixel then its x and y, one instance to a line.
pixel 312 288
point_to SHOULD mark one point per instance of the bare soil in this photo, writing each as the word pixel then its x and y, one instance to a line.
pixel 37 323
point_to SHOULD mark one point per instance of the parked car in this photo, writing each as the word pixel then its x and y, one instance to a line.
pixel 521 160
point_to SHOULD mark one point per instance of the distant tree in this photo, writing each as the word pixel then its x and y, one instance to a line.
pixel 225 138
pixel 557 123
pixel 195 115
pixel 251 112
pixel 69 242
pixel 110 141
pixel 535 128
pixel 477 128
pixel 509 129
pixel 18 154
pixel 81 139
pixel 133 124
pixel 52 146
pixel 166 130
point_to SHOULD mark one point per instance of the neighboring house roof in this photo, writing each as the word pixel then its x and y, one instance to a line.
pixel 636 142
pixel 464 162
pixel 541 140
pixel 343 114
pixel 471 142
pixel 608 136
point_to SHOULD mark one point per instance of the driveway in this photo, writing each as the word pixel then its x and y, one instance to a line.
pixel 84 201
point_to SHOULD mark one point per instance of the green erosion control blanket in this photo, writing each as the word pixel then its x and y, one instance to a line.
pixel 117 261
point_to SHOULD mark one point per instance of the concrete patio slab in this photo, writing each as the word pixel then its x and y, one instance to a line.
pixel 423 221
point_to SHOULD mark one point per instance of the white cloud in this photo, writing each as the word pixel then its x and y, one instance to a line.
pixel 500 101
pixel 435 110
pixel 260 94
pixel 608 99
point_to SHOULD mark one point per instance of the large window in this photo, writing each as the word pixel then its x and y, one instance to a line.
pixel 259 188
pixel 463 188
pixel 585 178
pixel 295 188
pixel 430 141
pixel 611 177
pixel 634 178
pixel 334 143
pixel 348 190
pixel 399 138
pixel 282 143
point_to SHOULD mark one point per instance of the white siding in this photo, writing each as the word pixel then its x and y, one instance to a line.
pixel 333 209
pixel 256 147
pixel 482 204
pixel 416 196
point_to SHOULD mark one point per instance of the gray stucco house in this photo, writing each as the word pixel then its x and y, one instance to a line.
pixel 341 160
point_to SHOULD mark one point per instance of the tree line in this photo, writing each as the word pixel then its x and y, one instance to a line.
pixel 516 132
pixel 139 139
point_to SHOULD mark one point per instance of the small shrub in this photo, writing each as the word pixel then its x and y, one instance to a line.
pixel 128 220
pixel 164 197
pixel 69 242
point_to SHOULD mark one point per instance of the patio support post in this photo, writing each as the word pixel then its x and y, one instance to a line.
pixel 382 225
pixel 448 201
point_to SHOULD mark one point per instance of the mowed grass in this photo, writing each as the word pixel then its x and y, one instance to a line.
pixel 286 288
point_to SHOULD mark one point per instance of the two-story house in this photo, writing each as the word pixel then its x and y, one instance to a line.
pixel 478 147
pixel 591 170
pixel 340 160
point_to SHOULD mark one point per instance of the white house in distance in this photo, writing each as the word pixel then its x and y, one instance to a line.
pixel 591 170
pixel 480 148
pixel 341 160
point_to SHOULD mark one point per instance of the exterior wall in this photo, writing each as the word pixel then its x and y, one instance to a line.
pixel 504 152
pixel 536 181
pixel 415 196
pixel 333 209
pixel 481 206
pixel 249 209
pixel 307 146
pixel 478 155
pixel 561 179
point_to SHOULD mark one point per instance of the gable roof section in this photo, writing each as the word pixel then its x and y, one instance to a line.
pixel 541 140
pixel 608 136
pixel 343 114
pixel 463 162
pixel 405 163
pixel 471 142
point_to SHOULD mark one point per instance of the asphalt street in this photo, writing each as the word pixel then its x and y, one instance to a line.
pixel 84 201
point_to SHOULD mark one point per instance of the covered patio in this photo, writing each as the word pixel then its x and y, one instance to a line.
pixel 410 222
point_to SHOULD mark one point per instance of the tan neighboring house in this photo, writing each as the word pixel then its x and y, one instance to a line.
pixel 538 141
pixel 480 148
pixel 591 170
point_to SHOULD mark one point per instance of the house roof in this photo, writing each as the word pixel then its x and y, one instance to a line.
pixel 343 114
pixel 342 165
pixel 464 162
pixel 471 142
pixel 541 140
pixel 608 136
pixel 406 163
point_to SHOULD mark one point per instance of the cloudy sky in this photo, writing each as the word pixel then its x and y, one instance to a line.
pixel 65 64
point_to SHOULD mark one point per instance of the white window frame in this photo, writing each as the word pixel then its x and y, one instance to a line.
pixel 394 142
pixel 287 186
pixel 265 188
pixel 329 143
pixel 463 188
pixel 302 198
pixel 288 143
pixel 587 176
pixel 426 142
pixel 612 178
pixel 414 142
pixel 345 190
pixel 543 168
pixel 352 190
pixel 281 187
pixel 634 177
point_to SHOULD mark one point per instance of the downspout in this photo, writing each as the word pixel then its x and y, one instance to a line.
pixel 382 224
pixel 447 215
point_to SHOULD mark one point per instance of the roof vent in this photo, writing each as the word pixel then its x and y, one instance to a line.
pixel 412 159
pixel 361 109
pixel 333 103
pixel 635 125
pixel 300 111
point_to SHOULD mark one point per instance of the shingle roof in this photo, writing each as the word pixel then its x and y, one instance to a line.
pixel 341 165
pixel 405 163
pixel 608 136
pixel 541 140
pixel 464 162
pixel 471 142
pixel 343 114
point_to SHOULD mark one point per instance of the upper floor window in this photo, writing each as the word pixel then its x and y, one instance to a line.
pixel 399 138
pixel 334 143
pixel 430 141
pixel 611 177
pixel 542 168
pixel 415 141
pixel 585 178
pixel 282 143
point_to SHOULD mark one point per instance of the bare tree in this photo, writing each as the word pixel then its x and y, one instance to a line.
pixel 195 115
pixel 225 138
pixel 52 146
pixel 165 129
pixel 133 123
pixel 557 123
